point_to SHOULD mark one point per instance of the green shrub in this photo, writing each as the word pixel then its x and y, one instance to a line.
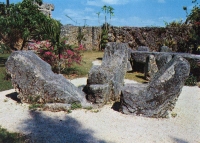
pixel 7 137
pixel 75 105
pixel 191 80
pixel 5 83
pixel 35 106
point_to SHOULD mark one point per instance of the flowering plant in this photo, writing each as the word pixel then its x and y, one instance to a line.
pixel 58 57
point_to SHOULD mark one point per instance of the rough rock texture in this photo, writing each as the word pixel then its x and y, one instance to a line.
pixel 164 49
pixel 150 67
pixel 105 82
pixel 139 58
pixel 36 83
pixel 161 60
pixel 91 36
pixel 152 37
pixel 143 48
pixel 46 8
pixel 160 95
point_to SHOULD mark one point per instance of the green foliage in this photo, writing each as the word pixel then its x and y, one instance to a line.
pixel 193 19
pixel 4 49
pixel 107 10
pixel 24 21
pixel 104 38
pixel 80 36
pixel 35 106
pixel 176 24
pixel 194 73
pixel 7 137
pixel 88 108
pixel 75 105
pixel 191 80
pixel 5 83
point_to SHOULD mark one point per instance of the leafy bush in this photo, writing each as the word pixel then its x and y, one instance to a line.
pixel 7 137
pixel 104 39
pixel 194 20
pixel 62 58
pixel 24 21
pixel 191 80
pixel 75 105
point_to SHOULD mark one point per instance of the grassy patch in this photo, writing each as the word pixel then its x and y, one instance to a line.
pixel 88 108
pixel 7 137
pixel 86 64
pixel 35 106
pixel 75 106
pixel 4 83
pixel 136 76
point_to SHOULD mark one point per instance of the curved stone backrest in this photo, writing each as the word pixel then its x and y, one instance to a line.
pixel 36 82
pixel 104 82
pixel 160 95
pixel 169 80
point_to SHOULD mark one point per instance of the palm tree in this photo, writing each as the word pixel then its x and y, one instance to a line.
pixel 98 13
pixel 105 9
pixel 110 10
pixel 7 3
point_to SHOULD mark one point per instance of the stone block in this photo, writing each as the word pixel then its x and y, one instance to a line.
pixel 160 95
pixel 36 83
pixel 111 72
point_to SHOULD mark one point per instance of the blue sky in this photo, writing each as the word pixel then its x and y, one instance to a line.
pixel 139 13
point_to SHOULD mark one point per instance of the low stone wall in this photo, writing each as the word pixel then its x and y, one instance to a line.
pixel 91 36
pixel 153 37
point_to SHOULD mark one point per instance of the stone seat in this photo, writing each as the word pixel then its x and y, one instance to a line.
pixel 106 80
pixel 36 83
pixel 159 96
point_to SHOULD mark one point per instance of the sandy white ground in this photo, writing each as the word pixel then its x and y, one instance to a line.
pixel 105 126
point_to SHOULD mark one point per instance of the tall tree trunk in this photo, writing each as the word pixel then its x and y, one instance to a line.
pixel 106 23
pixel 7 3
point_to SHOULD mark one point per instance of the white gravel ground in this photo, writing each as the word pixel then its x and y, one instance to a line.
pixel 104 125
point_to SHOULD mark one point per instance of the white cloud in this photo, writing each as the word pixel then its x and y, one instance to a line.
pixel 110 2
pixel 94 3
pixel 73 13
pixel 115 2
pixel 87 9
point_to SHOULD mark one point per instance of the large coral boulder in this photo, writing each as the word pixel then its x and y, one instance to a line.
pixel 35 82
pixel 160 95
pixel 105 82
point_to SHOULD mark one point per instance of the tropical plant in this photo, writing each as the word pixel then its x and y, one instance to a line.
pixel 98 13
pixel 105 9
pixel 111 12
pixel 80 36
pixel 59 61
pixel 193 19
pixel 21 20
pixel 104 38
pixel 175 24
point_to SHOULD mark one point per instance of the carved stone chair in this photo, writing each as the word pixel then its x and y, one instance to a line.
pixel 160 95
pixel 106 80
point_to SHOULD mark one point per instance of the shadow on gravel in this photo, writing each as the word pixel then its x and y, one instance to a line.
pixel 177 140
pixel 13 96
pixel 116 106
pixel 54 130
